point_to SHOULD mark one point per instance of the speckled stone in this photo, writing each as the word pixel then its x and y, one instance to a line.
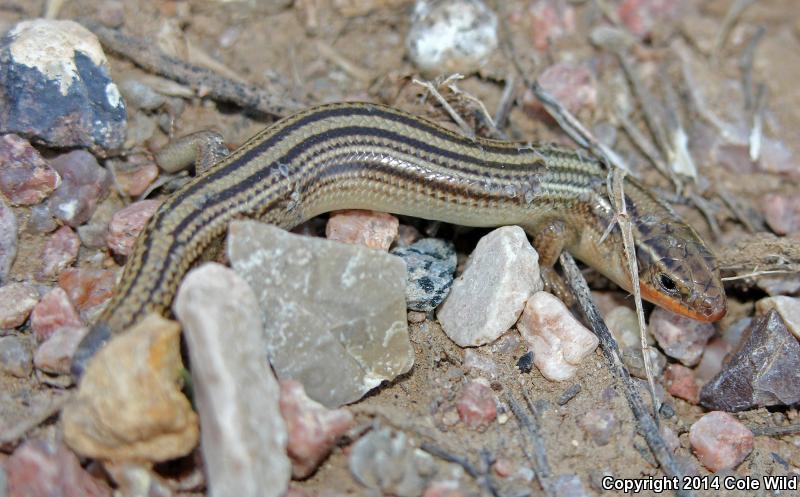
pixel 16 357
pixel 60 250
pixel 334 314
pixel 8 239
pixel 720 441
pixel 25 177
pixel 83 185
pixel 17 300
pixel 127 223
pixel 430 264
pixel 680 337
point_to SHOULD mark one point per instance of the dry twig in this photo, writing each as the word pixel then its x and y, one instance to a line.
pixel 538 456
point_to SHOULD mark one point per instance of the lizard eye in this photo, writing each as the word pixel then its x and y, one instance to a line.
pixel 667 283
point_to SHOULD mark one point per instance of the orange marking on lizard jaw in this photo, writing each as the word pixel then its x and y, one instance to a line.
pixel 674 305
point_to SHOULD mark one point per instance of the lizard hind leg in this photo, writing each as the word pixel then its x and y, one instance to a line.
pixel 549 241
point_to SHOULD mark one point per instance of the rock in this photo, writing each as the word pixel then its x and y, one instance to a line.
pixel 53 312
pixel 237 396
pixel 15 357
pixel 375 230
pixel 17 300
pixel 569 394
pixel 8 239
pixel 313 429
pixel 671 440
pixel 476 405
pixel 711 362
pixel 60 251
pixel 25 177
pixel 430 264
pixel 782 212
pixel 127 223
pixel 681 383
pixel 334 314
pixel 386 461
pixel 451 36
pixel 55 354
pixel 633 359
pixel 41 220
pixel 134 480
pixel 720 441
pixel 558 341
pixel 547 21
pixel 681 338
pixel 57 89
pixel 788 308
pixel 573 85
pixel 624 326
pixel 763 371
pixel 480 364
pixel 525 362
pixel 486 300
pixel 129 405
pixel 444 488
pixel 41 469
pixel 88 287
pixel 599 425
pixel 83 185
pixel 133 181
pixel 642 16
pixel 569 486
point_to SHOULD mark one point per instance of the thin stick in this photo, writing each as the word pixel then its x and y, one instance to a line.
pixel 728 22
pixel 450 82
pixel 465 128
pixel 646 424
pixel 539 455
pixel 506 102
pixel 482 477
pixel 772 431
pixel 215 86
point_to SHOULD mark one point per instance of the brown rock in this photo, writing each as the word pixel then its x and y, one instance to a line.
pixel 373 229
pixel 88 287
pixel 25 177
pixel 135 181
pixel 313 429
pixel 782 212
pixel 52 312
pixel 17 300
pixel 720 441
pixel 84 184
pixel 680 337
pixel 129 405
pixel 476 405
pixel 40 469
pixel 600 425
pixel 127 223
pixel 60 250
pixel 681 383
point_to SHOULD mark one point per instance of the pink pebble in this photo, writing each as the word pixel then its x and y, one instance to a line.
pixel 87 287
pixel 313 429
pixel 782 212
pixel 680 337
pixel 720 441
pixel 375 230
pixel 476 405
pixel 25 177
pixel 55 354
pixel 135 181
pixel 573 85
pixel 681 383
pixel 60 250
pixel 52 312
pixel 127 223
pixel 17 300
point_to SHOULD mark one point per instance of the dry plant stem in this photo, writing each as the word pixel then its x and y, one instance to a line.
pixel 617 194
pixel 210 83
pixel 536 453
pixel 484 114
pixel 774 431
pixel 481 477
pixel 646 424
pixel 506 103
pixel 737 210
pixel 646 147
pixel 343 63
pixel 728 22
pixel 746 67
pixel 705 208
pixel 756 130
pixel 465 128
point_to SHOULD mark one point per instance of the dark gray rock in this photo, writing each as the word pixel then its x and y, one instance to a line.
pixel 430 265
pixel 56 88
pixel 763 371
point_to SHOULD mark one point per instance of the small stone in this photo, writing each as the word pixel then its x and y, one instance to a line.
pixel 111 13
pixel 488 297
pixel 385 460
pixel 243 434
pixel 55 354
pixel 88 287
pixel 15 357
pixel 17 300
pixel 782 212
pixel 680 337
pixel 480 364
pixel 407 235
pixel 430 264
pixel 503 467
pixel 60 251
pixel 135 479
pixel 763 371
pixel 334 314
pixel 416 317
pixel 134 181
pixel 569 394
pixel 375 230
pixel 682 384
pixel 444 488
pixel 313 429
pixel 569 486
pixel 476 405
pixel 711 362
pixel 573 85
pixel 600 425
pixel 8 239
pixel 41 469
pixel 41 220
pixel 525 362
pixel 25 177
pixel 548 20
pixel 633 359
pixel 787 307
pixel 642 16
pixel 57 89
pixel 53 312
pixel 451 36
pixel 83 185
pixel 624 326
pixel 671 440
pixel 129 405
pixel 720 441
pixel 127 223
pixel 558 341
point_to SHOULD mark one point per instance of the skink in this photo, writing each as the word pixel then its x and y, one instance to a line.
pixel 368 156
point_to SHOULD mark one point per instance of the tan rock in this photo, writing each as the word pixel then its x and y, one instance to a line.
pixel 375 230
pixel 129 405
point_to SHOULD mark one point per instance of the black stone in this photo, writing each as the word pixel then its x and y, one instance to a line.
pixel 525 363
pixel 430 264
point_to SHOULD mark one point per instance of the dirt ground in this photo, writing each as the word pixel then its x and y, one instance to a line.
pixel 279 49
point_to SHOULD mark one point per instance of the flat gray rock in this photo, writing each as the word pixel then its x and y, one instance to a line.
pixel 243 434
pixel 334 314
